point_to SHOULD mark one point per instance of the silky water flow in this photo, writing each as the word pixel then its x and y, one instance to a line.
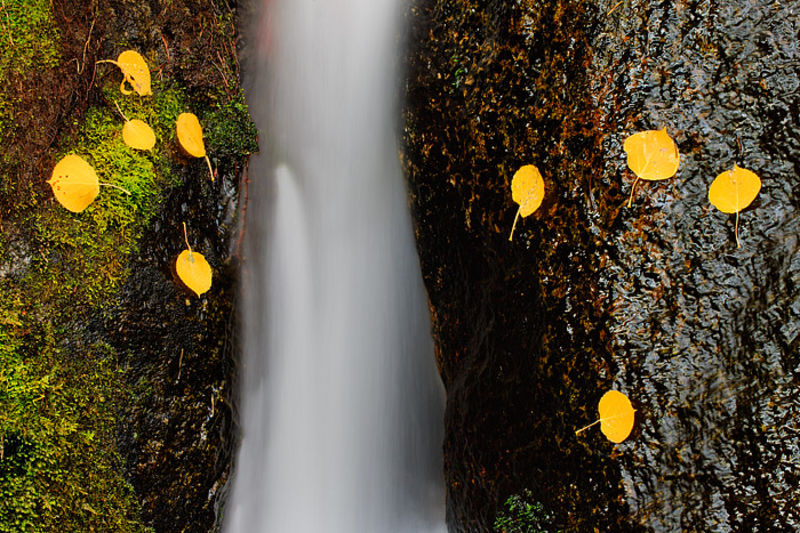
pixel 341 404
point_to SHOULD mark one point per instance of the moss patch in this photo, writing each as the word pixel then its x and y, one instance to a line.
pixel 29 40
pixel 59 469
pixel 29 36
pixel 101 238
pixel 523 514
pixel 61 390
pixel 229 131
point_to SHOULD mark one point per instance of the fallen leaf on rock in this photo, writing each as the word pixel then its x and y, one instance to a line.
pixel 616 416
pixel 135 70
pixel 527 189
pixel 652 155
pixel 193 269
pixel 190 137
pixel 734 190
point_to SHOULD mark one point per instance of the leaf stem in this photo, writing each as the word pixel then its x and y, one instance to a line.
pixel 186 238
pixel 511 237
pixel 739 145
pixel 584 428
pixel 120 111
pixel 210 170
pixel 126 191
pixel 630 200
pixel 615 7
pixel 180 366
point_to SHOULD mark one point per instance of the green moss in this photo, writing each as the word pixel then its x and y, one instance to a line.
pixel 229 130
pixel 29 40
pixel 59 470
pixel 523 514
pixel 101 238
pixel 58 392
pixel 29 36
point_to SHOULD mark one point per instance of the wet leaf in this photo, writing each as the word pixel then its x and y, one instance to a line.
pixel 527 189
pixel 190 137
pixel 616 416
pixel 652 155
pixel 74 183
pixel 135 70
pixel 194 271
pixel 137 134
pixel 734 190
pixel 190 134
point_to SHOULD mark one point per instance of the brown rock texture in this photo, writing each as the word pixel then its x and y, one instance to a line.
pixel 653 300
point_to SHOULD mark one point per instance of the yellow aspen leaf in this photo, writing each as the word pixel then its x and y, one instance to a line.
pixel 193 269
pixel 74 183
pixel 652 155
pixel 734 190
pixel 137 134
pixel 190 137
pixel 527 189
pixel 190 134
pixel 616 416
pixel 135 71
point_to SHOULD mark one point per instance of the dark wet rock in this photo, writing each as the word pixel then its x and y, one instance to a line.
pixel 654 300
pixel 178 353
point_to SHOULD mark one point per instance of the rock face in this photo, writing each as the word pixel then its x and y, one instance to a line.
pixel 654 300
pixel 117 380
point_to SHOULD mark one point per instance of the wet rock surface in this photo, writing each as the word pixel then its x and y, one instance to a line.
pixel 654 300
pixel 178 351
pixel 171 354
pixel 178 354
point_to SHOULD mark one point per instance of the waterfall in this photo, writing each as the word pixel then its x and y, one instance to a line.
pixel 341 405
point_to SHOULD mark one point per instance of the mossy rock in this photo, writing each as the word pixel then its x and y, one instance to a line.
pixel 97 433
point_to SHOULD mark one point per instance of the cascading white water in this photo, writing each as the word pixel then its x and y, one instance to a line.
pixel 341 403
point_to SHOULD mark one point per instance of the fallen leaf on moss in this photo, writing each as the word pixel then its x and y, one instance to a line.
pixel 734 190
pixel 652 155
pixel 190 137
pixel 193 269
pixel 74 183
pixel 527 189
pixel 135 70
pixel 616 416
pixel 136 133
